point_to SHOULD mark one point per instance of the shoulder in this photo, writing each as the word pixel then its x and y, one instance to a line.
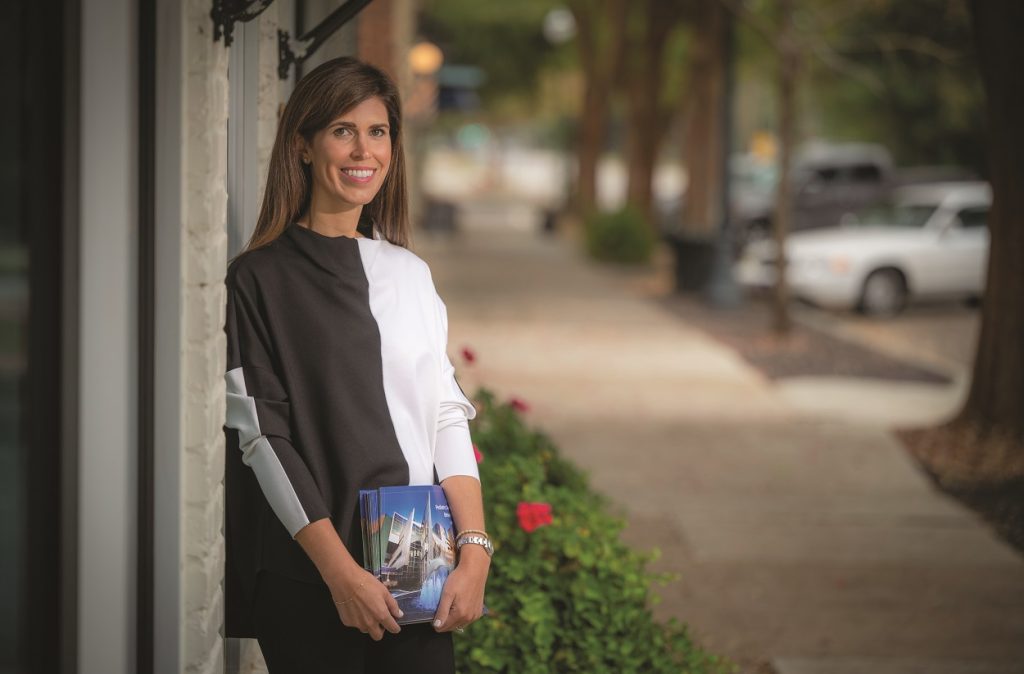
pixel 410 263
pixel 248 267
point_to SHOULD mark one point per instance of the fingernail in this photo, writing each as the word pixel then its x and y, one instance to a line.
pixel 401 613
pixel 437 623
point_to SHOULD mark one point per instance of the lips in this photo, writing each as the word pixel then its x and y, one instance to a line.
pixel 359 175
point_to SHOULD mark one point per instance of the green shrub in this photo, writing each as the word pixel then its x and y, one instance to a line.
pixel 569 596
pixel 622 236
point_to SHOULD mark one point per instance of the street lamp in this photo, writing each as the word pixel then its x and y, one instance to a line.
pixel 425 58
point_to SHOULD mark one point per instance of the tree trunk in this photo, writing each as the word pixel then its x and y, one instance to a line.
pixel 984 443
pixel 644 135
pixel 789 73
pixel 647 118
pixel 600 59
pixel 702 152
pixel 593 125
pixel 996 399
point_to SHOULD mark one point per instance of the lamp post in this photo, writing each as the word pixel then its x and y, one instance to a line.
pixel 721 290
pixel 425 60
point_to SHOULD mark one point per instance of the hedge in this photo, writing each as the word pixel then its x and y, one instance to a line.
pixel 621 236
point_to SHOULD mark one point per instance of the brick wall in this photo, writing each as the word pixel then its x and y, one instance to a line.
pixel 269 104
pixel 204 360
pixel 268 99
pixel 376 36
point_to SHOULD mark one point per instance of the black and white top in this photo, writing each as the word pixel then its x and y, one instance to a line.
pixel 338 379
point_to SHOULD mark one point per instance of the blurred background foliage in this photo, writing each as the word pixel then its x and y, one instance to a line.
pixel 907 79
pixel 506 41
pixel 929 107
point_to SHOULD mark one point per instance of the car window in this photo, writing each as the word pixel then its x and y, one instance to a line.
pixel 975 217
pixel 895 215
pixel 826 174
pixel 865 173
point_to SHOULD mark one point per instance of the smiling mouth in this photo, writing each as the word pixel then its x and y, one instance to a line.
pixel 359 175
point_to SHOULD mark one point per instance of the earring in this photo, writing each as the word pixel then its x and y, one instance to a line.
pixel 305 160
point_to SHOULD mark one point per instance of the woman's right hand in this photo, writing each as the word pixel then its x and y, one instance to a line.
pixel 368 606
pixel 372 609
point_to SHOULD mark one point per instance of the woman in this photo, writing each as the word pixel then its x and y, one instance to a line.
pixel 338 380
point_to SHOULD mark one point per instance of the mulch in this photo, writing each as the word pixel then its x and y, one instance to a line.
pixel 991 482
pixel 804 352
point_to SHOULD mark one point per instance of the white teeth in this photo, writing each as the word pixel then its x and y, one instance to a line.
pixel 363 173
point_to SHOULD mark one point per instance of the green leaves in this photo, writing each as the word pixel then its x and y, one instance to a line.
pixel 622 236
pixel 569 596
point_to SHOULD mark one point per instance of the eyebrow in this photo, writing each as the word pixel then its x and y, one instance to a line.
pixel 352 125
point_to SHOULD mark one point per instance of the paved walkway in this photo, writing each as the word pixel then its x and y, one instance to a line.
pixel 804 537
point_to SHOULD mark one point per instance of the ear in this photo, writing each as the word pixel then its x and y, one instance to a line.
pixel 303 149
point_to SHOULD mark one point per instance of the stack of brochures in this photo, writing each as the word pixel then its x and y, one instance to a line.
pixel 409 544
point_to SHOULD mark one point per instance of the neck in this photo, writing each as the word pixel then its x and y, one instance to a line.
pixel 332 221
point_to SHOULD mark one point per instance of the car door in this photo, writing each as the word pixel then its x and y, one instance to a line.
pixel 962 252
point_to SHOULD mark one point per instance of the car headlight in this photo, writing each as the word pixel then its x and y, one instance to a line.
pixel 839 264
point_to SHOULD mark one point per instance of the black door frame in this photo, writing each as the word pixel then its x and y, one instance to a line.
pixel 146 302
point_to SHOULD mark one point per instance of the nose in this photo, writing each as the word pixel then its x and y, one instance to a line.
pixel 359 148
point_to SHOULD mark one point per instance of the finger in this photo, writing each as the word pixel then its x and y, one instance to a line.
pixel 456 618
pixel 444 607
pixel 376 633
pixel 389 624
pixel 393 606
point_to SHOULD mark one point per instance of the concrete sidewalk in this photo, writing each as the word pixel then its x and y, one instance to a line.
pixel 804 538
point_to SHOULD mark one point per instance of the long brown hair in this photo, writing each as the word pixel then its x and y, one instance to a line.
pixel 320 97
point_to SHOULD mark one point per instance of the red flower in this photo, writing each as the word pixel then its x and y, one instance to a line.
pixel 468 355
pixel 533 515
pixel 518 404
pixel 477 454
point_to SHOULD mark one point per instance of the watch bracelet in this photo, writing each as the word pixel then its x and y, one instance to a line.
pixel 475 539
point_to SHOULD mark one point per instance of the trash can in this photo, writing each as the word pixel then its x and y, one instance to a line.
pixel 694 260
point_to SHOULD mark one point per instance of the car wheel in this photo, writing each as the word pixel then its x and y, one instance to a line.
pixel 884 293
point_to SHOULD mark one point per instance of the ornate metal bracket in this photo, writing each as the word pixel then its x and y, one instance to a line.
pixel 226 13
pixel 298 50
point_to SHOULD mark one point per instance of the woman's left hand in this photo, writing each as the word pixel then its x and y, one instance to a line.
pixel 462 600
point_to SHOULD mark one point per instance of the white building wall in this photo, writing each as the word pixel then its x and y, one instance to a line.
pixel 271 95
pixel 204 161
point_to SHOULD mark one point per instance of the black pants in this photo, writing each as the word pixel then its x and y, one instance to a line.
pixel 300 632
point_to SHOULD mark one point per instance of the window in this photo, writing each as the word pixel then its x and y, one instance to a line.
pixel 974 217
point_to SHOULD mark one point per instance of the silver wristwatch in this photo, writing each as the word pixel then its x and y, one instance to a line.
pixel 478 540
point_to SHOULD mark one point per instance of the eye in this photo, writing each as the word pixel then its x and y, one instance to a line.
pixel 380 132
pixel 340 130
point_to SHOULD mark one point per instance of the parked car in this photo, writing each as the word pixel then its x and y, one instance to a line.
pixel 828 180
pixel 926 241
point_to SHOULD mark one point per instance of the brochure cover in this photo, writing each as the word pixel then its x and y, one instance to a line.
pixel 409 544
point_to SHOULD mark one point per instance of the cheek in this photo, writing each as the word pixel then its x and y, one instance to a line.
pixel 334 152
pixel 384 157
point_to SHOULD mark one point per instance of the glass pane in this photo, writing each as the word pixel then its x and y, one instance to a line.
pixel 974 218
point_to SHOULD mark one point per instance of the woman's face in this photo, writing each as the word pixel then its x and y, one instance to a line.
pixel 350 157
